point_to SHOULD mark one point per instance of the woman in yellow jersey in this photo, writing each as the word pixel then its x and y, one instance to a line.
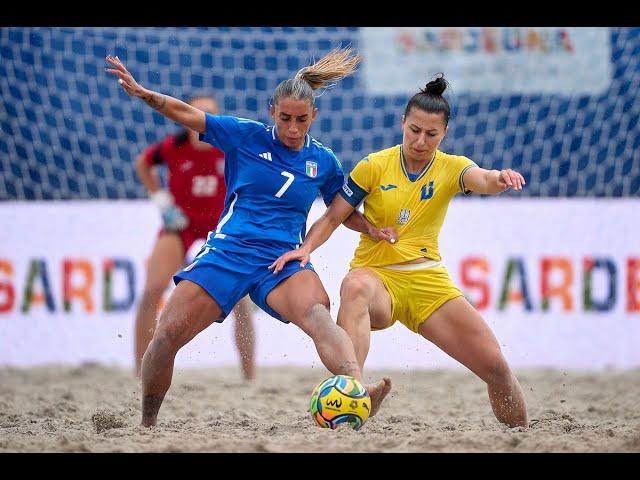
pixel 406 191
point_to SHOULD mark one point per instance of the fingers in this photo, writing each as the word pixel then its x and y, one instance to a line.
pixel 387 233
pixel 282 260
pixel 114 72
pixel 125 79
pixel 506 178
pixel 122 81
pixel 512 179
pixel 384 235
pixel 120 75
pixel 393 235
pixel 279 264
pixel 118 67
pixel 276 264
pixel 522 181
pixel 517 180
pixel 118 71
pixel 115 62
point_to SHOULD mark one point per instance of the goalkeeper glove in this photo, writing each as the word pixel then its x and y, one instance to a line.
pixel 173 218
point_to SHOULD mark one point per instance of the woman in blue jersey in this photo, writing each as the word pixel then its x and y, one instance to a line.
pixel 273 175
pixel 410 186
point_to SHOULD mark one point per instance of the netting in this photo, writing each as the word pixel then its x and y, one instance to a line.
pixel 69 132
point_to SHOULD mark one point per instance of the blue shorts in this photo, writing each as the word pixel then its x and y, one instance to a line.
pixel 229 276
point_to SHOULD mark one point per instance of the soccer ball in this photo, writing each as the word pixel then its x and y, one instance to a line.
pixel 340 399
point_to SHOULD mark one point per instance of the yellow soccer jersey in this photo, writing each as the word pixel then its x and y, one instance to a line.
pixel 416 209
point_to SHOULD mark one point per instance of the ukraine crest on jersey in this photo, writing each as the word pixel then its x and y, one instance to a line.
pixel 270 188
pixel 416 209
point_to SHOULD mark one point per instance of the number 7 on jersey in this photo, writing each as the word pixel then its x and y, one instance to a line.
pixel 287 184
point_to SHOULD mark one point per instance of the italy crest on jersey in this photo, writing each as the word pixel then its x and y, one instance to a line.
pixel 312 169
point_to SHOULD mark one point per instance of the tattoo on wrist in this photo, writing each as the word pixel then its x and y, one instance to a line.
pixel 155 100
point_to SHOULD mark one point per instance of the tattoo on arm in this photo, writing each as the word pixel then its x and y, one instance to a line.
pixel 155 101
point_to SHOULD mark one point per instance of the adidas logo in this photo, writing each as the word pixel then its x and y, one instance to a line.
pixel 266 155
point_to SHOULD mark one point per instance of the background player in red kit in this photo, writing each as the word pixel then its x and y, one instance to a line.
pixel 190 208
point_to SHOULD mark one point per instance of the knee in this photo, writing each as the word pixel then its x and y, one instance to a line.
pixel 355 288
pixel 314 318
pixel 318 309
pixel 312 304
pixel 161 344
pixel 167 339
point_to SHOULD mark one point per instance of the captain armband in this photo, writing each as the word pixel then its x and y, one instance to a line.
pixel 353 193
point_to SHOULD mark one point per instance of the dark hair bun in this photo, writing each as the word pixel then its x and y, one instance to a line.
pixel 437 86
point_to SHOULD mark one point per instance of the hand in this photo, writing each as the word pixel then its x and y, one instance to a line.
pixel 125 79
pixel 298 254
pixel 173 218
pixel 387 233
pixel 510 179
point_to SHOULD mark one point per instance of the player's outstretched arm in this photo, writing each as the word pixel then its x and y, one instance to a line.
pixel 490 182
pixel 170 107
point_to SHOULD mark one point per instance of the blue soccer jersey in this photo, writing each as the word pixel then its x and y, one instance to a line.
pixel 270 188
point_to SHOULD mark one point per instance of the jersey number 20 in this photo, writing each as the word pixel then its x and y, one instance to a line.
pixel 204 185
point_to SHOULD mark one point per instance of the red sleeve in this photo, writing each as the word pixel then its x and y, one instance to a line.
pixel 159 152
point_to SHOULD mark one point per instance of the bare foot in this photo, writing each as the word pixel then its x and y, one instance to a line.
pixel 377 393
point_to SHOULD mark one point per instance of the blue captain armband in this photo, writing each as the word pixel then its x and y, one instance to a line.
pixel 353 193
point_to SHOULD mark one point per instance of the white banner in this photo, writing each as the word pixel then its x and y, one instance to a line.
pixel 558 281
pixel 488 60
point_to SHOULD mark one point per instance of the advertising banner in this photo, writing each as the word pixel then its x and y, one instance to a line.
pixel 557 280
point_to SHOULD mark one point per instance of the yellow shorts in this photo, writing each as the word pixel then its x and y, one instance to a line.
pixel 416 294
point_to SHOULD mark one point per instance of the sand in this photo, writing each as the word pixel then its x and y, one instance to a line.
pixel 96 408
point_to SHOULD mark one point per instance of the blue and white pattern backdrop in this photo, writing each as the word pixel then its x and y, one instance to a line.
pixel 67 131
